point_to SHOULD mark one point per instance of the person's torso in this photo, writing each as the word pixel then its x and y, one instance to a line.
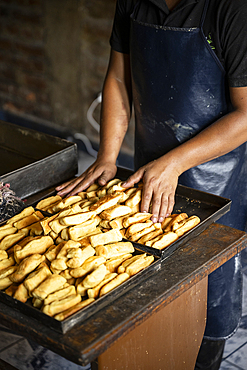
pixel 179 88
pixel 224 28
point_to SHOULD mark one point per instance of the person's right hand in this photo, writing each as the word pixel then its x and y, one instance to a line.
pixel 100 171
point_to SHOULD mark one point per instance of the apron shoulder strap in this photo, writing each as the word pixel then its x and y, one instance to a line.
pixel 204 13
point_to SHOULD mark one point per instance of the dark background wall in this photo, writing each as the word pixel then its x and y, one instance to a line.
pixel 53 59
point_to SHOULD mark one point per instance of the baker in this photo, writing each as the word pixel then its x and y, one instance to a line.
pixel 183 65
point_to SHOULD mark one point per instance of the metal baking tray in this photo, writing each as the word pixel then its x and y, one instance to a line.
pixel 80 316
pixel 208 207
pixel 32 161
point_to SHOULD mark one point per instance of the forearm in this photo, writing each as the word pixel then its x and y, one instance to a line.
pixel 116 108
pixel 115 116
pixel 223 136
pixel 160 177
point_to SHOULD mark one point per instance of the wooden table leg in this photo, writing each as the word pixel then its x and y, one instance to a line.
pixel 168 340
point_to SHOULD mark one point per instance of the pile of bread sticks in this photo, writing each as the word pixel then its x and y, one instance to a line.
pixel 81 249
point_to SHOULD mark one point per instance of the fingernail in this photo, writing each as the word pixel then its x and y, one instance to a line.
pixel 154 219
pixel 161 219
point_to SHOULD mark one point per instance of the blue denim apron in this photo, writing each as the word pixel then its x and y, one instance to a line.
pixel 179 88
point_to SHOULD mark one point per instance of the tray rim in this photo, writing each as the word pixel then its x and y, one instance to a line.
pixel 39 161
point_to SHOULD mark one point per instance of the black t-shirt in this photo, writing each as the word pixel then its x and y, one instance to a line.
pixel 225 28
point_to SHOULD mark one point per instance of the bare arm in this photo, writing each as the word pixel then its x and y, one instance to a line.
pixel 160 177
pixel 115 116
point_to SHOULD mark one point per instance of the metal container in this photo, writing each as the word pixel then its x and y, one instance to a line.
pixel 31 161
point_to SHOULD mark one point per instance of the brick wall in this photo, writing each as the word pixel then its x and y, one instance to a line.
pixel 53 59
pixel 24 86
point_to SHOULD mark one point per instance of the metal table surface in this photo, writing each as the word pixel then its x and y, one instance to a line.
pixel 183 269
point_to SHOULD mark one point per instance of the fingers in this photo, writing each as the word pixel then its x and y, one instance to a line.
pixel 157 202
pixel 134 179
pixel 147 193
pixel 159 188
pixel 171 203
pixel 62 186
pixel 162 206
pixel 101 173
pixel 72 187
pixel 104 178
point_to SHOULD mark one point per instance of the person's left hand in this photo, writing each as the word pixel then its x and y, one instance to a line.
pixel 160 180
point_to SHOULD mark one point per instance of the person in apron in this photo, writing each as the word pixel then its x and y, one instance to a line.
pixel 190 128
